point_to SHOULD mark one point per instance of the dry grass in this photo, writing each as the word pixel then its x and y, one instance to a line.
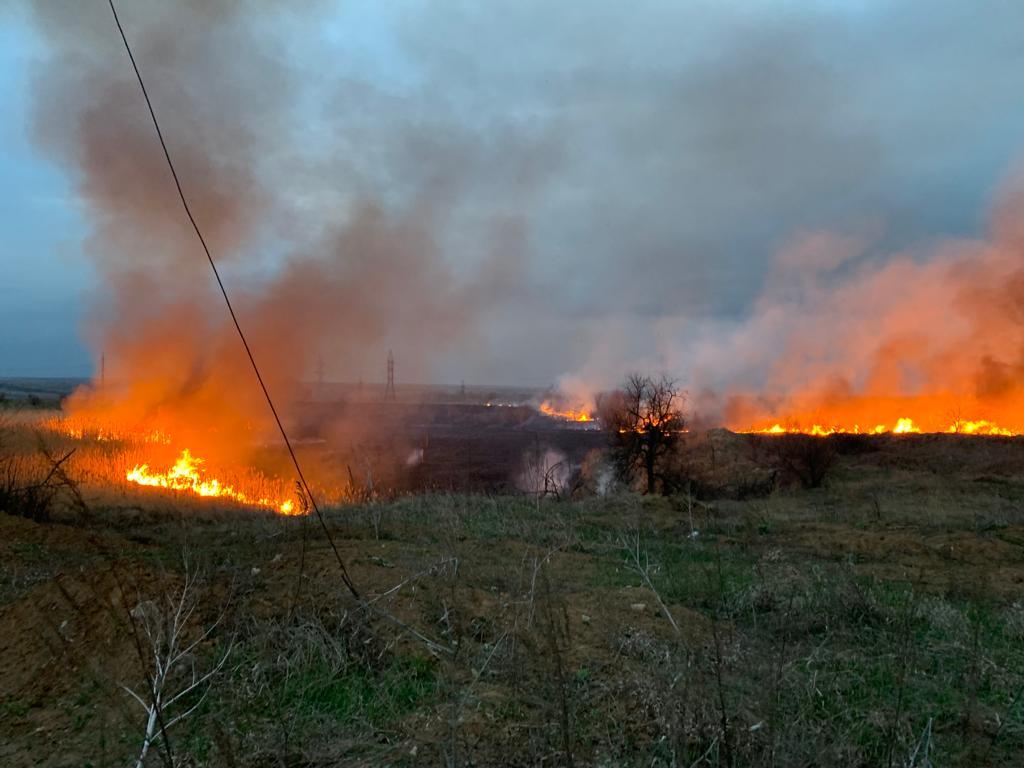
pixel 874 621
pixel 99 466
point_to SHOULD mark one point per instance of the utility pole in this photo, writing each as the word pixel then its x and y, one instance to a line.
pixel 320 378
pixel 389 388
pixel 103 369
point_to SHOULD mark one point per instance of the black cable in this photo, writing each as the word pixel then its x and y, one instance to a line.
pixel 231 311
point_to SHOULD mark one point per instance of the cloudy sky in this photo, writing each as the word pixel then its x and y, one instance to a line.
pixel 604 182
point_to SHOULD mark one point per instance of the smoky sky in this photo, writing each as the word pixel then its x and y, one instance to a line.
pixel 579 188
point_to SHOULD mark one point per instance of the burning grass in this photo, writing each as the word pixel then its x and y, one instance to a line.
pixel 867 415
pixel 188 475
pixel 577 414
pixel 111 460
pixel 902 426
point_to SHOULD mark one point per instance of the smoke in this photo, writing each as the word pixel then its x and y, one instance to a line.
pixel 845 336
pixel 504 194
pixel 309 282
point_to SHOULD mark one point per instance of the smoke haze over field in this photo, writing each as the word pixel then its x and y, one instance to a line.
pixel 783 199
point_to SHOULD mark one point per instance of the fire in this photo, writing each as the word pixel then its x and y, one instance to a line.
pixel 580 415
pixel 668 428
pixel 188 475
pixel 902 426
pixel 980 427
pixel 840 413
pixel 117 440
pixel 83 428
pixel 905 426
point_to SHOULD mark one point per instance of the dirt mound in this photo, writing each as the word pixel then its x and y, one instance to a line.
pixel 49 635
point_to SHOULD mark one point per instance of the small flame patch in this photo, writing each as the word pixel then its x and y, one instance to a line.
pixel 570 414
pixel 188 475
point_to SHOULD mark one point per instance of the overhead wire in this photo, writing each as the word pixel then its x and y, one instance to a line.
pixel 231 311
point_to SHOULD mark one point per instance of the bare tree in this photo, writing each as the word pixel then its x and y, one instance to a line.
pixel 545 472
pixel 644 420
pixel 175 685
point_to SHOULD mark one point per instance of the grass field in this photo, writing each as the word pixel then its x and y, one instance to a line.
pixel 878 620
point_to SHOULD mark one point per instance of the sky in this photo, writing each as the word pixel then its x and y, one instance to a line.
pixel 45 279
pixel 599 185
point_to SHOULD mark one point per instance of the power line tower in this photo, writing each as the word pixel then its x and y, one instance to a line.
pixel 389 389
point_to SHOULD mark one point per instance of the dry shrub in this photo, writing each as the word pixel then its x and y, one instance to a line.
pixel 31 485
pixel 21 492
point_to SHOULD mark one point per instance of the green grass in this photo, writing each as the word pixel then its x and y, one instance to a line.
pixel 891 651
pixel 358 694
pixel 13 708
pixel 822 660
pixel 698 574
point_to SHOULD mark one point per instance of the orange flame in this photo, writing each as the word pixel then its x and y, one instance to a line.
pixel 572 414
pixel 902 426
pixel 188 475
pixel 980 427
pixel 83 428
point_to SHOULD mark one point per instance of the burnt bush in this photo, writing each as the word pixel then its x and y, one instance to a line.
pixel 756 487
pixel 803 459
pixel 854 445
pixel 755 483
